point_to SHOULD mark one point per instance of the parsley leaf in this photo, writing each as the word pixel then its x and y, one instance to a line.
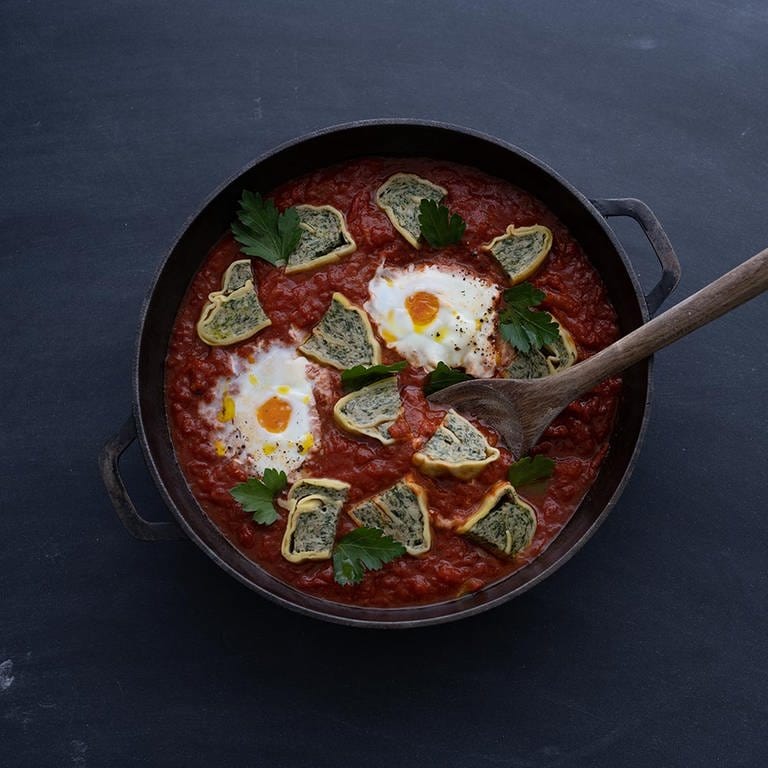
pixel 438 229
pixel 263 231
pixel 257 496
pixel 530 469
pixel 361 375
pixel 443 377
pixel 361 550
pixel 523 327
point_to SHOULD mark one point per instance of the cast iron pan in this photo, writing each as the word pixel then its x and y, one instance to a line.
pixel 585 219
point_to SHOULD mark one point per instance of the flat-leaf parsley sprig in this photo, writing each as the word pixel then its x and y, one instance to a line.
pixel 361 375
pixel 439 226
pixel 258 496
pixel 523 327
pixel 263 231
pixel 530 469
pixel 361 550
pixel 443 376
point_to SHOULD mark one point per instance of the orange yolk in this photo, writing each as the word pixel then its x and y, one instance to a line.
pixel 422 307
pixel 274 414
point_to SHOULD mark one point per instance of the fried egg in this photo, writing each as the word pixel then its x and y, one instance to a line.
pixel 430 315
pixel 264 415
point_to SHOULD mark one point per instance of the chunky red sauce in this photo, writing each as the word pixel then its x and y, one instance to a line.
pixel 577 439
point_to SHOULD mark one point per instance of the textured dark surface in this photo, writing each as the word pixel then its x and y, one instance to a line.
pixel 117 120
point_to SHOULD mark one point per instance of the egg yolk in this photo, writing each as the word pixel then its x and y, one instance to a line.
pixel 227 412
pixel 422 307
pixel 274 414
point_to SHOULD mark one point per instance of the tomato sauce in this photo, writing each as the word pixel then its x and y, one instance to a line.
pixel 577 440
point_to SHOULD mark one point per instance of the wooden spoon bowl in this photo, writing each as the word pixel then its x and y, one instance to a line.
pixel 521 409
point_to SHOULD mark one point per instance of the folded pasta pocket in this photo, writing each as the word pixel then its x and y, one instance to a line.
pixel 371 410
pixel 503 522
pixel 400 512
pixel 334 490
pixel 343 338
pixel 237 275
pixel 234 313
pixel 400 197
pixel 521 250
pixel 324 238
pixel 311 528
pixel 551 358
pixel 457 448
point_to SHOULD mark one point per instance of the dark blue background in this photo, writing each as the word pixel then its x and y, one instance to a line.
pixel 117 120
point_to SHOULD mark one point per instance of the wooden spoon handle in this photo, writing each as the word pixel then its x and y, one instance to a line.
pixel 732 289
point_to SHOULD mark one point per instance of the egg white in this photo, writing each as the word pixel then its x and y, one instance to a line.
pixel 237 432
pixel 461 333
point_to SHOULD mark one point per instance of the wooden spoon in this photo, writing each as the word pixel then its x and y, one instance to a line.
pixel 521 409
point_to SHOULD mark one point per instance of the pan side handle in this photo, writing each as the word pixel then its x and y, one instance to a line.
pixel 657 237
pixel 135 524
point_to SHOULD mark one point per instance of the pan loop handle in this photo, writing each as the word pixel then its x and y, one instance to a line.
pixel 136 525
pixel 657 237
